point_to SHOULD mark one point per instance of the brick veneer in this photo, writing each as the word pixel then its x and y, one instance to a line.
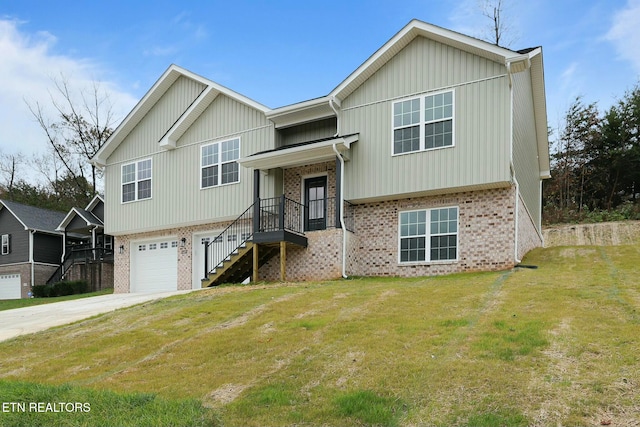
pixel 122 268
pixel 293 179
pixel 528 236
pixel 320 260
pixel 486 238
pixel 41 273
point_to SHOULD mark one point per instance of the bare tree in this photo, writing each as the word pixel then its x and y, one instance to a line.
pixel 10 165
pixel 494 10
pixel 83 123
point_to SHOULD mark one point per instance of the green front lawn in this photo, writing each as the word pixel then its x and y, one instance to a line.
pixel 557 345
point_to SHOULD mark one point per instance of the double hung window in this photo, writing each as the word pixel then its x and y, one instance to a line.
pixel 219 163
pixel 429 235
pixel 136 181
pixel 423 123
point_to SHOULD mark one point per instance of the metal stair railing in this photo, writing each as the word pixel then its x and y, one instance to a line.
pixel 79 255
pixel 235 236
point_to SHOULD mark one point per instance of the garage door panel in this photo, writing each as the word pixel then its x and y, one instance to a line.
pixel 10 286
pixel 154 266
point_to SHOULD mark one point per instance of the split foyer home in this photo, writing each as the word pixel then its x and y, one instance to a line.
pixel 427 159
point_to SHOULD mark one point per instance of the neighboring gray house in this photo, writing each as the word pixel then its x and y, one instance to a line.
pixel 30 247
pixel 427 159
pixel 88 252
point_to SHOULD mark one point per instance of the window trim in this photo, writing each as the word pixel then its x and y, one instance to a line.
pixel 136 181
pixel 423 122
pixel 5 243
pixel 428 236
pixel 220 163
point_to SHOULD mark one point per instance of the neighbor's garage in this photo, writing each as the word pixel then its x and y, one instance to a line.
pixel 154 265
pixel 10 286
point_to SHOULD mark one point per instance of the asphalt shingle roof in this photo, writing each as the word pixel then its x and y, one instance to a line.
pixel 35 218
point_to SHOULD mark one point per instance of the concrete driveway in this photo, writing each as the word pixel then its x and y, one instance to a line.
pixel 27 320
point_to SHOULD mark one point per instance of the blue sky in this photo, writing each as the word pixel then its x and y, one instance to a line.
pixel 283 52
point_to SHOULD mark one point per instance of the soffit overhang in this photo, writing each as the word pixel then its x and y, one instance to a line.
pixel 300 154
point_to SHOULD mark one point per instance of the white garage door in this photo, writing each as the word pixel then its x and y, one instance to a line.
pixel 10 286
pixel 154 265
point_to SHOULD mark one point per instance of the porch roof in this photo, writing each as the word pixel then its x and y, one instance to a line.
pixel 85 216
pixel 304 153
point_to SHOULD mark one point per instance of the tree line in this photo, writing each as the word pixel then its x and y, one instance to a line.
pixel 595 163
pixel 61 176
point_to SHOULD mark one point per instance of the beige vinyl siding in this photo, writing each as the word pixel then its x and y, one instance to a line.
pixel 480 156
pixel 177 199
pixel 307 132
pixel 525 151
pixel 158 121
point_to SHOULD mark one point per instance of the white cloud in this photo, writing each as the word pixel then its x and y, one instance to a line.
pixel 624 33
pixel 26 70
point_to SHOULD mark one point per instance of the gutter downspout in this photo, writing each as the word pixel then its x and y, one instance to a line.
pixel 31 259
pixel 512 168
pixel 342 225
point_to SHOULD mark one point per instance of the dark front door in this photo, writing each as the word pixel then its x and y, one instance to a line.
pixel 315 190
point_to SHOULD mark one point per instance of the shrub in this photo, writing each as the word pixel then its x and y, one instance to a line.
pixel 60 289
pixel 41 291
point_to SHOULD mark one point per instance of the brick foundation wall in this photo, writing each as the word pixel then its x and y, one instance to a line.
pixel 485 235
pixel 122 270
pixel 486 238
pixel 320 260
pixel 528 237
pixel 99 275
pixel 42 272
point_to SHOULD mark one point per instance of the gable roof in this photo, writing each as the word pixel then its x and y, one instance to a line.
pixel 314 109
pixel 89 218
pixel 168 78
pixel 514 61
pixel 33 218
pixel 406 35
pixel 97 199
pixel 86 214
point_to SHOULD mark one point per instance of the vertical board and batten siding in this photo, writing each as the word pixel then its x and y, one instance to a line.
pixel 177 199
pixel 19 238
pixel 480 156
pixel 47 248
pixel 307 132
pixel 143 139
pixel 525 148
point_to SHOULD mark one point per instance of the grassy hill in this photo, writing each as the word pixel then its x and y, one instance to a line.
pixel 556 345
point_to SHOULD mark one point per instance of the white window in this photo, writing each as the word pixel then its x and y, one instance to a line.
pixel 6 244
pixel 428 235
pixel 219 163
pixel 136 181
pixel 423 123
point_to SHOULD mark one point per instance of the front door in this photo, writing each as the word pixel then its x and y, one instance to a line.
pixel 315 190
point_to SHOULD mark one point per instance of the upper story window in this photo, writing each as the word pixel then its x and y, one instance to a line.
pixel 429 235
pixel 423 123
pixel 136 181
pixel 6 244
pixel 219 163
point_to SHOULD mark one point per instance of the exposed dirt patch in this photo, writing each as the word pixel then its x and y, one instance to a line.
pixel 572 253
pixel 600 234
pixel 224 395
